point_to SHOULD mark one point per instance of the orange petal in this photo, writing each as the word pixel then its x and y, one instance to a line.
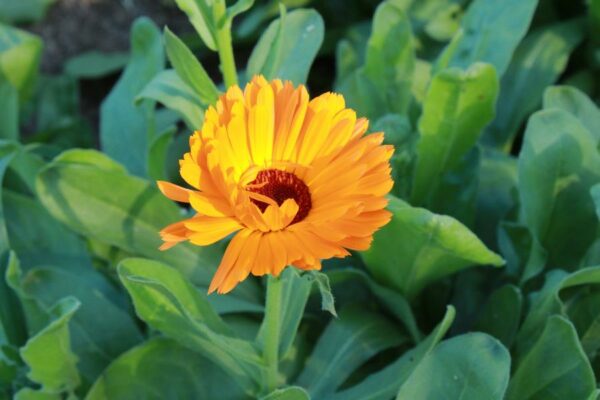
pixel 208 230
pixel 174 192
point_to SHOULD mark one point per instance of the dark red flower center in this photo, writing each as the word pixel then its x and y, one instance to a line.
pixel 280 186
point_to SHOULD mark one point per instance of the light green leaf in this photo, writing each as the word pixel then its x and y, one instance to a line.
pixel 30 394
pixel 123 125
pixel 384 384
pixel 287 51
pixel 347 342
pixel 538 62
pixel 168 89
pixel 166 301
pixel 458 105
pixel 327 300
pixel 490 32
pixel 189 68
pixel 501 316
pixel 20 54
pixel 239 7
pixel 470 366
pixel 289 393
pixel 162 368
pixel 9 110
pixel 558 165
pixel 559 365
pixel 200 15
pixel 48 354
pixel 95 64
pixel 24 11
pixel 577 103
pixel 426 247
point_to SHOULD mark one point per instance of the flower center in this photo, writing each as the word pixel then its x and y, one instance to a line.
pixel 280 186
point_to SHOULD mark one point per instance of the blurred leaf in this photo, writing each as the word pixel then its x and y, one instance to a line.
pixel 583 313
pixel 30 394
pixel 157 155
pixel 200 15
pixel 123 125
pixel 9 367
pixel 362 94
pixel 8 150
pixel 558 165
pixel 20 54
pixel 577 103
pixel 390 57
pixel 95 64
pixel 189 69
pixel 457 107
pixel 9 110
pixel 558 364
pixel 538 62
pixel 347 342
pixel 24 11
pixel 161 368
pixel 289 393
pixel 327 300
pixel 48 354
pixel 287 50
pixel 426 247
pixel 445 22
pixel 501 316
pixel 92 195
pixel 384 384
pixel 168 89
pixel 490 32
pixel 470 366
pixel 167 302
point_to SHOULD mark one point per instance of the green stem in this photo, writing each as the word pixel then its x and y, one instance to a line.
pixel 225 48
pixel 272 319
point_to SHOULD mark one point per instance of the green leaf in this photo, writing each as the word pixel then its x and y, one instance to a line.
pixel 123 125
pixel 595 192
pixel 538 62
pixel 189 68
pixel 289 393
pixel 384 384
pixel 558 165
pixel 346 343
pixel 168 89
pixel 559 365
pixel 95 64
pixel 287 50
pixel 490 32
pixel 327 300
pixel 470 366
pixel 390 56
pixel 9 110
pixel 239 7
pixel 426 247
pixel 30 394
pixel 48 354
pixel 577 103
pixel 24 11
pixel 8 150
pixel 200 15
pixel 20 54
pixel 295 292
pixel 583 313
pixel 162 368
pixel 501 316
pixel 458 105
pixel 166 301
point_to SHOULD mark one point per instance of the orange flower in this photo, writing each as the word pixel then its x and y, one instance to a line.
pixel 296 179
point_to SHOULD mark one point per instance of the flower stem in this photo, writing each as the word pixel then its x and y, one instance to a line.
pixel 272 322
pixel 225 48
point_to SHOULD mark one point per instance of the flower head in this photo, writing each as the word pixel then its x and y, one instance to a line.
pixel 296 180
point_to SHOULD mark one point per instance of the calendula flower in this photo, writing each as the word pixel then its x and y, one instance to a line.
pixel 296 180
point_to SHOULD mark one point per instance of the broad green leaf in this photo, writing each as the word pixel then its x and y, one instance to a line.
pixel 490 32
pixel 327 300
pixel 189 68
pixel 48 354
pixel 20 54
pixel 200 14
pixel 295 291
pixel 390 56
pixel 577 103
pixel 168 89
pixel 287 50
pixel 8 150
pixel 583 313
pixel 347 342
pixel 458 105
pixel 123 125
pixel 24 11
pixel 426 247
pixel 470 366
pixel 95 64
pixel 558 165
pixel 289 393
pixel 9 110
pixel 30 394
pixel 384 384
pixel 163 369
pixel 362 94
pixel 166 301
pixel 538 62
pixel 501 316
pixel 559 365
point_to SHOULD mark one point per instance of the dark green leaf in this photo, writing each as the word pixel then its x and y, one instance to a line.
pixel 95 64
pixel 327 300
pixel 501 315
pixel 290 393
